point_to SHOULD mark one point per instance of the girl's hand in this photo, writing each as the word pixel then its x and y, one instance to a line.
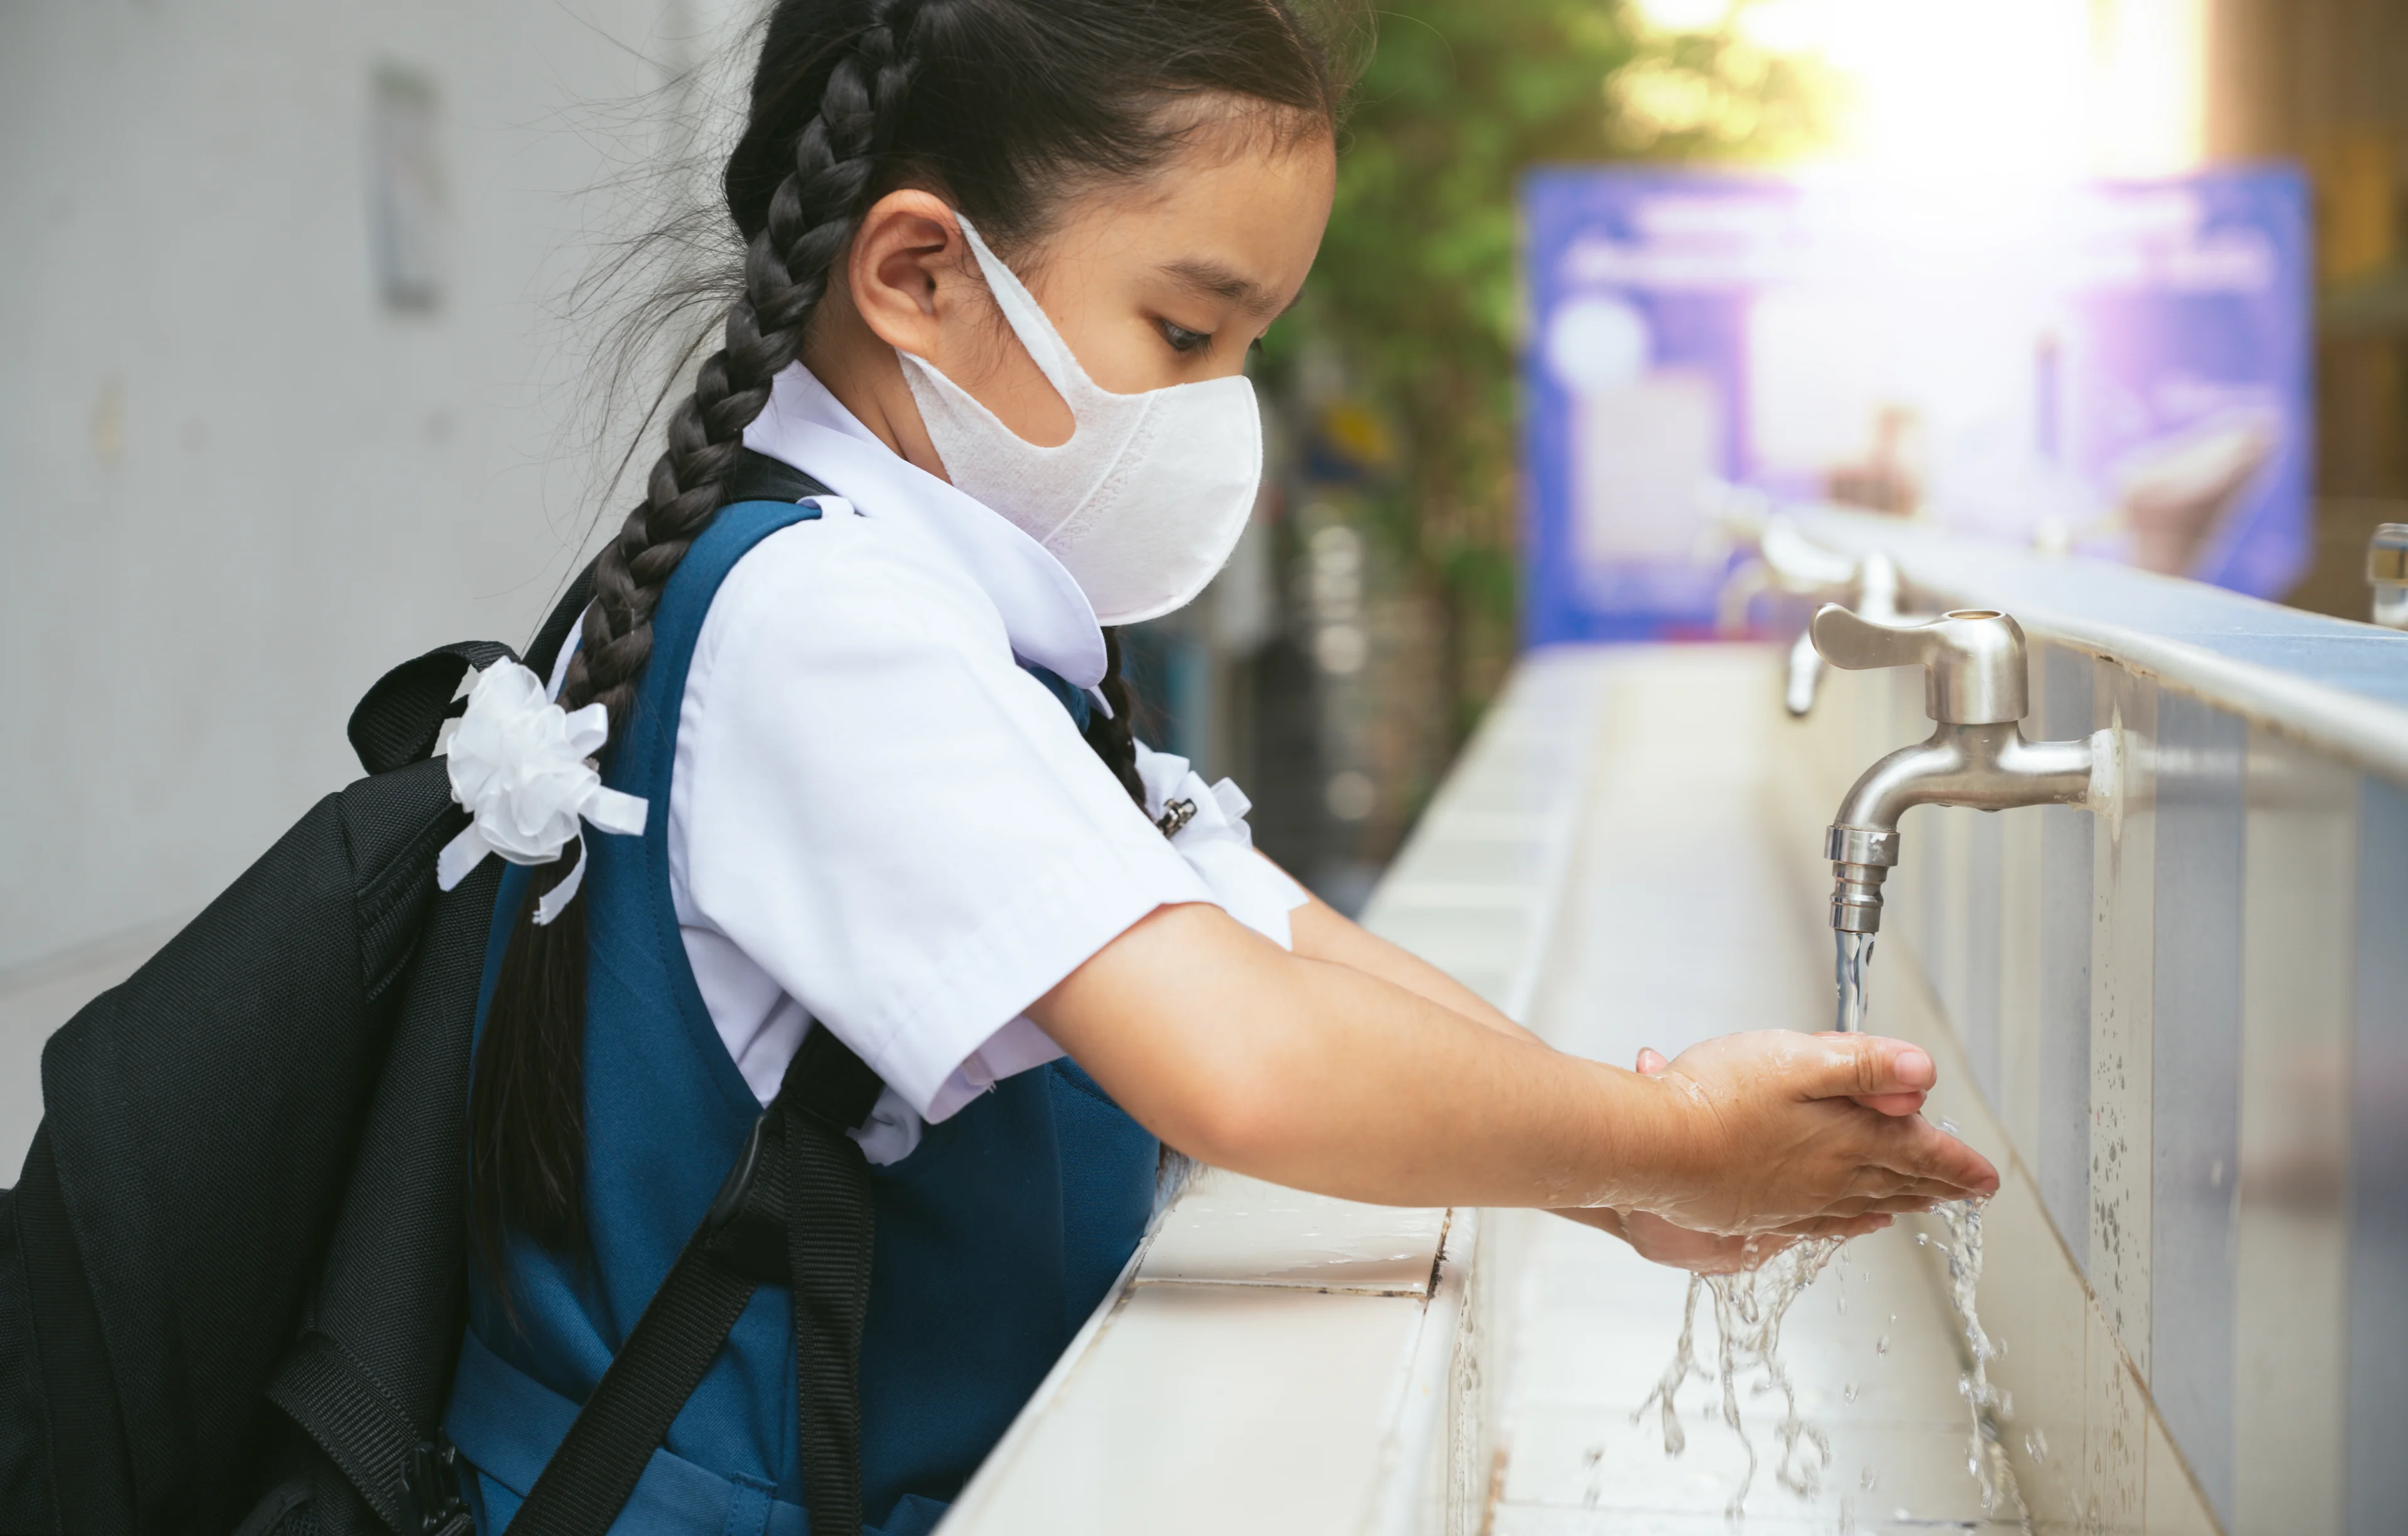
pixel 1659 1242
pixel 1805 1134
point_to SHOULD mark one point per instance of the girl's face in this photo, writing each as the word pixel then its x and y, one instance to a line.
pixel 1166 283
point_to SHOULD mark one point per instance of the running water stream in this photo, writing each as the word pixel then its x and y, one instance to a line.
pixel 1961 1222
pixel 1749 1308
pixel 1856 952
pixel 1988 1406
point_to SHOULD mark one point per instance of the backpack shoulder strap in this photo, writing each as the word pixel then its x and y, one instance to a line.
pixel 398 719
pixel 796 1210
pixel 757 478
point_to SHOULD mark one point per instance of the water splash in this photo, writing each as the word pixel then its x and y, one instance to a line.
pixel 1854 955
pixel 1989 1408
pixel 1749 1308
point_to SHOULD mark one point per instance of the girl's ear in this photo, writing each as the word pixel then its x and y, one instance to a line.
pixel 908 259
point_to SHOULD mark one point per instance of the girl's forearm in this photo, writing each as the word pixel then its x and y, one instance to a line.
pixel 1321 932
pixel 1322 1077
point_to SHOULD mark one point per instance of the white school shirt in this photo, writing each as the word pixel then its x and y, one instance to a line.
pixel 879 821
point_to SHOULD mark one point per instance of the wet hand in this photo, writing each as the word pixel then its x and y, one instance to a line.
pixel 1652 1061
pixel 1803 1134
pixel 1661 1241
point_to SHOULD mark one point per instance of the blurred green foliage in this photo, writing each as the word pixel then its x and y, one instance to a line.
pixel 1416 292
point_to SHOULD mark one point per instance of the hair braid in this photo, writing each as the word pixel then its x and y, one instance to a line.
pixel 527 1120
pixel 1113 739
pixel 786 268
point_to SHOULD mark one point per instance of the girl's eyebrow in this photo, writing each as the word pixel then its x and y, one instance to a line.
pixel 1208 276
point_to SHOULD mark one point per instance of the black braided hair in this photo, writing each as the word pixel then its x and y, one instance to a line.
pixel 1114 739
pixel 1005 107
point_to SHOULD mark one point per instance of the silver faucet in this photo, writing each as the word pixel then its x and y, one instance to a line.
pixel 1976 687
pixel 1787 561
pixel 1872 594
pixel 2387 572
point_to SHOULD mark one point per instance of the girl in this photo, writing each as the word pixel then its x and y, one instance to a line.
pixel 876 807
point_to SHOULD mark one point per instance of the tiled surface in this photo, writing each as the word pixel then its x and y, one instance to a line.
pixel 2378 1237
pixel 2114 1469
pixel 2123 974
pixel 2292 1246
pixel 2195 1090
pixel 1231 1230
pixel 1475 890
pixel 2169 1514
pixel 2060 1026
pixel 1195 1417
pixel 1600 1332
pixel 2021 903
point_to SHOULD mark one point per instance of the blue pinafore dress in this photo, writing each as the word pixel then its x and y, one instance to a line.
pixel 996 1238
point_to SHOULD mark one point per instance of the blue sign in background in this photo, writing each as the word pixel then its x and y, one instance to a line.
pixel 2119 367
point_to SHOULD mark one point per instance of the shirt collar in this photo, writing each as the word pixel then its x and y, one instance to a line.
pixel 1045 614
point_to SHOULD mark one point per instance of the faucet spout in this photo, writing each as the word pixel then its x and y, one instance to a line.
pixel 1986 766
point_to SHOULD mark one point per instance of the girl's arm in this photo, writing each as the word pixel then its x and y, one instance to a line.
pixel 1321 932
pixel 1321 1077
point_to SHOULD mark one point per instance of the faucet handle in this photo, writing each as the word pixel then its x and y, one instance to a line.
pixel 1798 563
pixel 1972 659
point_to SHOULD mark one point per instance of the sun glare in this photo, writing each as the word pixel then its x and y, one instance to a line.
pixel 2018 89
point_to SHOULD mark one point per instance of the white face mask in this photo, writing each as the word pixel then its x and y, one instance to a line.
pixel 1146 500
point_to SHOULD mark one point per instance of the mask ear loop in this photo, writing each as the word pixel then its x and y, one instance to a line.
pixel 1029 322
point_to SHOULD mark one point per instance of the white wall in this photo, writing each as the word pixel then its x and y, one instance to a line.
pixel 234 483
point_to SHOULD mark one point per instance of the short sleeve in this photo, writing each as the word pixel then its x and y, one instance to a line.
pixel 891 819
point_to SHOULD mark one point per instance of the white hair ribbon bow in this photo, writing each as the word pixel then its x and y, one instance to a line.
pixel 1206 826
pixel 518 762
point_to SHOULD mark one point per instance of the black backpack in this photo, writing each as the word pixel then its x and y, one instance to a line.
pixel 232 1281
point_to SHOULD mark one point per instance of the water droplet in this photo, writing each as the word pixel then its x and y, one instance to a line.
pixel 1848 1392
pixel 1866 1479
pixel 1881 1345
pixel 2036 1445
pixel 1923 1240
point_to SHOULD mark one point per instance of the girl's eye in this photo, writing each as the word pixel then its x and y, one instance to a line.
pixel 1184 340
